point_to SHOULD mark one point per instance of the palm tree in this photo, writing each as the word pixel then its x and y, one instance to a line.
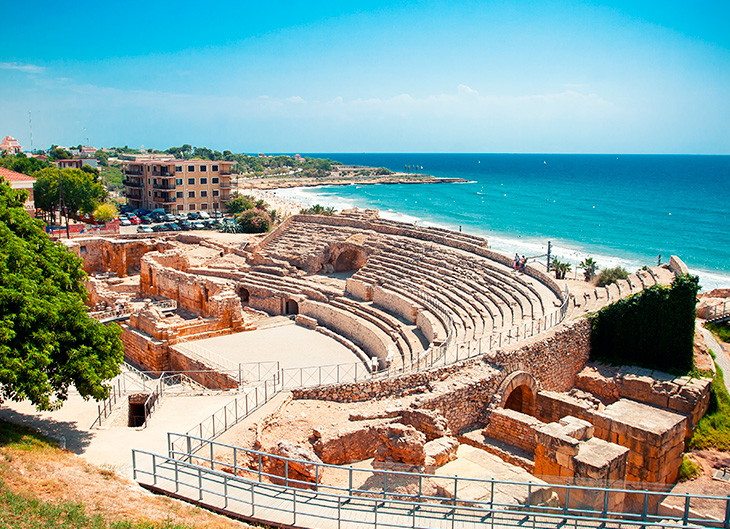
pixel 589 267
pixel 560 268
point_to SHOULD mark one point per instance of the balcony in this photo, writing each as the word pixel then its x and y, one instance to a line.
pixel 133 183
pixel 163 174
pixel 164 186
pixel 163 199
pixel 133 172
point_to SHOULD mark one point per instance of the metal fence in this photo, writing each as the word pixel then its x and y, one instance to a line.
pixel 552 503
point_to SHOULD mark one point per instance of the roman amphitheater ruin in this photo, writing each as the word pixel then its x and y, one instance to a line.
pixel 445 362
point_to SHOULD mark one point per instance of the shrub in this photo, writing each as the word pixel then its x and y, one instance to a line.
pixel 713 430
pixel 689 469
pixel 652 329
pixel 722 330
pixel 254 221
pixel 318 210
pixel 611 275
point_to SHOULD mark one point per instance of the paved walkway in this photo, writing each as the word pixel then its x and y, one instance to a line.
pixel 721 356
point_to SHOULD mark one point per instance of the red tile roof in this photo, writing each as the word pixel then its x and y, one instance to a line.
pixel 12 176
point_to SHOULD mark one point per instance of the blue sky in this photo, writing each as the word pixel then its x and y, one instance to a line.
pixel 531 76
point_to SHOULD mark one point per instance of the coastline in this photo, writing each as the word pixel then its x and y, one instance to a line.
pixel 287 201
pixel 335 179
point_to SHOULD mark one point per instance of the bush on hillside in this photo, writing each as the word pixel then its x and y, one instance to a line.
pixel 611 275
pixel 254 221
pixel 652 329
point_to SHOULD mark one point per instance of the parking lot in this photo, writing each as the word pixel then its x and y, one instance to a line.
pixel 158 221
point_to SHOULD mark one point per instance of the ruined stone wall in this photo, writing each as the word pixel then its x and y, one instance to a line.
pixel 359 289
pixel 686 395
pixel 513 427
pixel 144 351
pixel 200 372
pixel 430 326
pixel 553 358
pixel 367 335
pixel 118 256
pixel 392 302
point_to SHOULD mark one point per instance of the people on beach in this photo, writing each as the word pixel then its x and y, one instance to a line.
pixel 523 263
pixel 516 262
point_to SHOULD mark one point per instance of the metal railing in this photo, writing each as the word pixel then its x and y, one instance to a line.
pixel 232 413
pixel 242 468
pixel 718 312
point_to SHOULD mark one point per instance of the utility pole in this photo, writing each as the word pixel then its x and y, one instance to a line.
pixel 548 256
pixel 62 202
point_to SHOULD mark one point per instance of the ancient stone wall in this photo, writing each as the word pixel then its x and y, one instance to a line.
pixel 144 351
pixel 367 335
pixel 118 256
pixel 514 428
pixel 200 372
pixel 392 302
pixel 359 289
pixel 686 395
pixel 553 358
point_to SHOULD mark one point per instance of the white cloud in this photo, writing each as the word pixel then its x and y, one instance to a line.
pixel 27 68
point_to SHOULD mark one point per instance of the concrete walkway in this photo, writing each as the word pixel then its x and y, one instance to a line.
pixel 721 356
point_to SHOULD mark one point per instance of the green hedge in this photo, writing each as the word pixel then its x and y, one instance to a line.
pixel 654 328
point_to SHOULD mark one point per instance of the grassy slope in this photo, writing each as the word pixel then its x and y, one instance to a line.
pixel 42 486
pixel 713 430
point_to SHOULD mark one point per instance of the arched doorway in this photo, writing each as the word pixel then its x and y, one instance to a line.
pixel 517 392
pixel 521 399
pixel 349 259
pixel 291 307
pixel 243 294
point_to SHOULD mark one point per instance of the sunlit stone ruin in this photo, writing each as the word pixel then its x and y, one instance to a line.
pixel 457 364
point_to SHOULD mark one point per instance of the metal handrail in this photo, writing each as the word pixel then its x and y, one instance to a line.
pixel 236 468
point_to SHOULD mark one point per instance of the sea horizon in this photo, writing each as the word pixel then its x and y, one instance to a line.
pixel 620 209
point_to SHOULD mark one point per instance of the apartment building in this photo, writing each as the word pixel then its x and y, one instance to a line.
pixel 177 186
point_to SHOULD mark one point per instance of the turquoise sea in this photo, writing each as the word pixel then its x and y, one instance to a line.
pixel 619 209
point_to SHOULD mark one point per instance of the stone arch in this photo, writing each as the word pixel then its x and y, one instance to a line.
pixel 244 294
pixel 517 392
pixel 291 307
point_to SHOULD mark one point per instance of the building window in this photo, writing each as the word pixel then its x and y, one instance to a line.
pixel 180 207
pixel 178 181
pixel 204 205
pixel 215 205
pixel 215 192
pixel 203 194
pixel 179 194
pixel 149 193
pixel 213 167
pixel 203 181
pixel 191 181
pixel 203 168
pixel 191 194
pixel 214 180
pixel 148 181
pixel 178 168
pixel 191 168
pixel 191 207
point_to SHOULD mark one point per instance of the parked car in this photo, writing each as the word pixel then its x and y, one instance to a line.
pixel 144 229
pixel 197 225
pixel 203 215
pixel 193 215
pixel 157 217
pixel 216 214
pixel 158 228
pixel 124 221
pixel 134 219
pixel 145 220
pixel 185 224
pixel 169 217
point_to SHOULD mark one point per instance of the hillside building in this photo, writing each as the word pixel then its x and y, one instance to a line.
pixel 20 181
pixel 10 145
pixel 177 185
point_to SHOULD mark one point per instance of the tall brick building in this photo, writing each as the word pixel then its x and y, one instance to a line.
pixel 177 185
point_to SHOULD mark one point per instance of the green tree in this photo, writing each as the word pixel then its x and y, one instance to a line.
pixel 240 204
pixel 59 153
pixel 560 268
pixel 589 267
pixel 102 157
pixel 105 212
pixel 47 340
pixel 81 192
pixel 20 163
pixel 254 221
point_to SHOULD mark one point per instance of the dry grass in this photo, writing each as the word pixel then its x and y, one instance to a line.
pixel 37 478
